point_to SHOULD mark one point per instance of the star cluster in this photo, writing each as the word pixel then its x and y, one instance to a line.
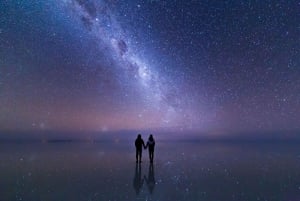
pixel 200 66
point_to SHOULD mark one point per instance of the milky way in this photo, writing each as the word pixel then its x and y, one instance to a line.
pixel 155 92
pixel 208 67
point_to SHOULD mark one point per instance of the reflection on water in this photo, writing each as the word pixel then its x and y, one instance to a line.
pixel 138 181
pixel 150 180
pixel 183 171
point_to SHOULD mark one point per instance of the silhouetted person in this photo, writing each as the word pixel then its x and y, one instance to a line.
pixel 151 145
pixel 139 144
pixel 138 181
pixel 151 179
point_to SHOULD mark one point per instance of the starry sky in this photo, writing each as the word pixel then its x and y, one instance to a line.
pixel 214 67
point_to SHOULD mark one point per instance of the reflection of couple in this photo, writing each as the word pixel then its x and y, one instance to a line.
pixel 139 144
pixel 150 180
pixel 138 181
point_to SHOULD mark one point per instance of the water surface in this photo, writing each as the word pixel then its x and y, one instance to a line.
pixel 181 171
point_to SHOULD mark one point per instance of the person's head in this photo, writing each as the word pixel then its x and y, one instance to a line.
pixel 139 136
pixel 151 137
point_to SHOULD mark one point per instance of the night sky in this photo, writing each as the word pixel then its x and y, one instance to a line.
pixel 212 67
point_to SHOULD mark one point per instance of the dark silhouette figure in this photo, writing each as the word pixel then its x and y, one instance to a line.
pixel 138 181
pixel 151 145
pixel 151 179
pixel 139 144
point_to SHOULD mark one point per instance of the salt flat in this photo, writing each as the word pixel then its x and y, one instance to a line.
pixel 181 171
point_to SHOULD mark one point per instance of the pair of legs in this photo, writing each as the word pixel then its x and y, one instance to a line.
pixel 138 155
pixel 151 155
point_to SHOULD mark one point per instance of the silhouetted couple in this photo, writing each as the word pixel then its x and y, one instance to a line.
pixel 139 144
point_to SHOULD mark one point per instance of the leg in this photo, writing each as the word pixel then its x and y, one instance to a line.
pixel 152 155
pixel 140 155
pixel 136 155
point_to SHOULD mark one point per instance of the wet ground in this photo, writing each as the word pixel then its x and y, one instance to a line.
pixel 181 171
